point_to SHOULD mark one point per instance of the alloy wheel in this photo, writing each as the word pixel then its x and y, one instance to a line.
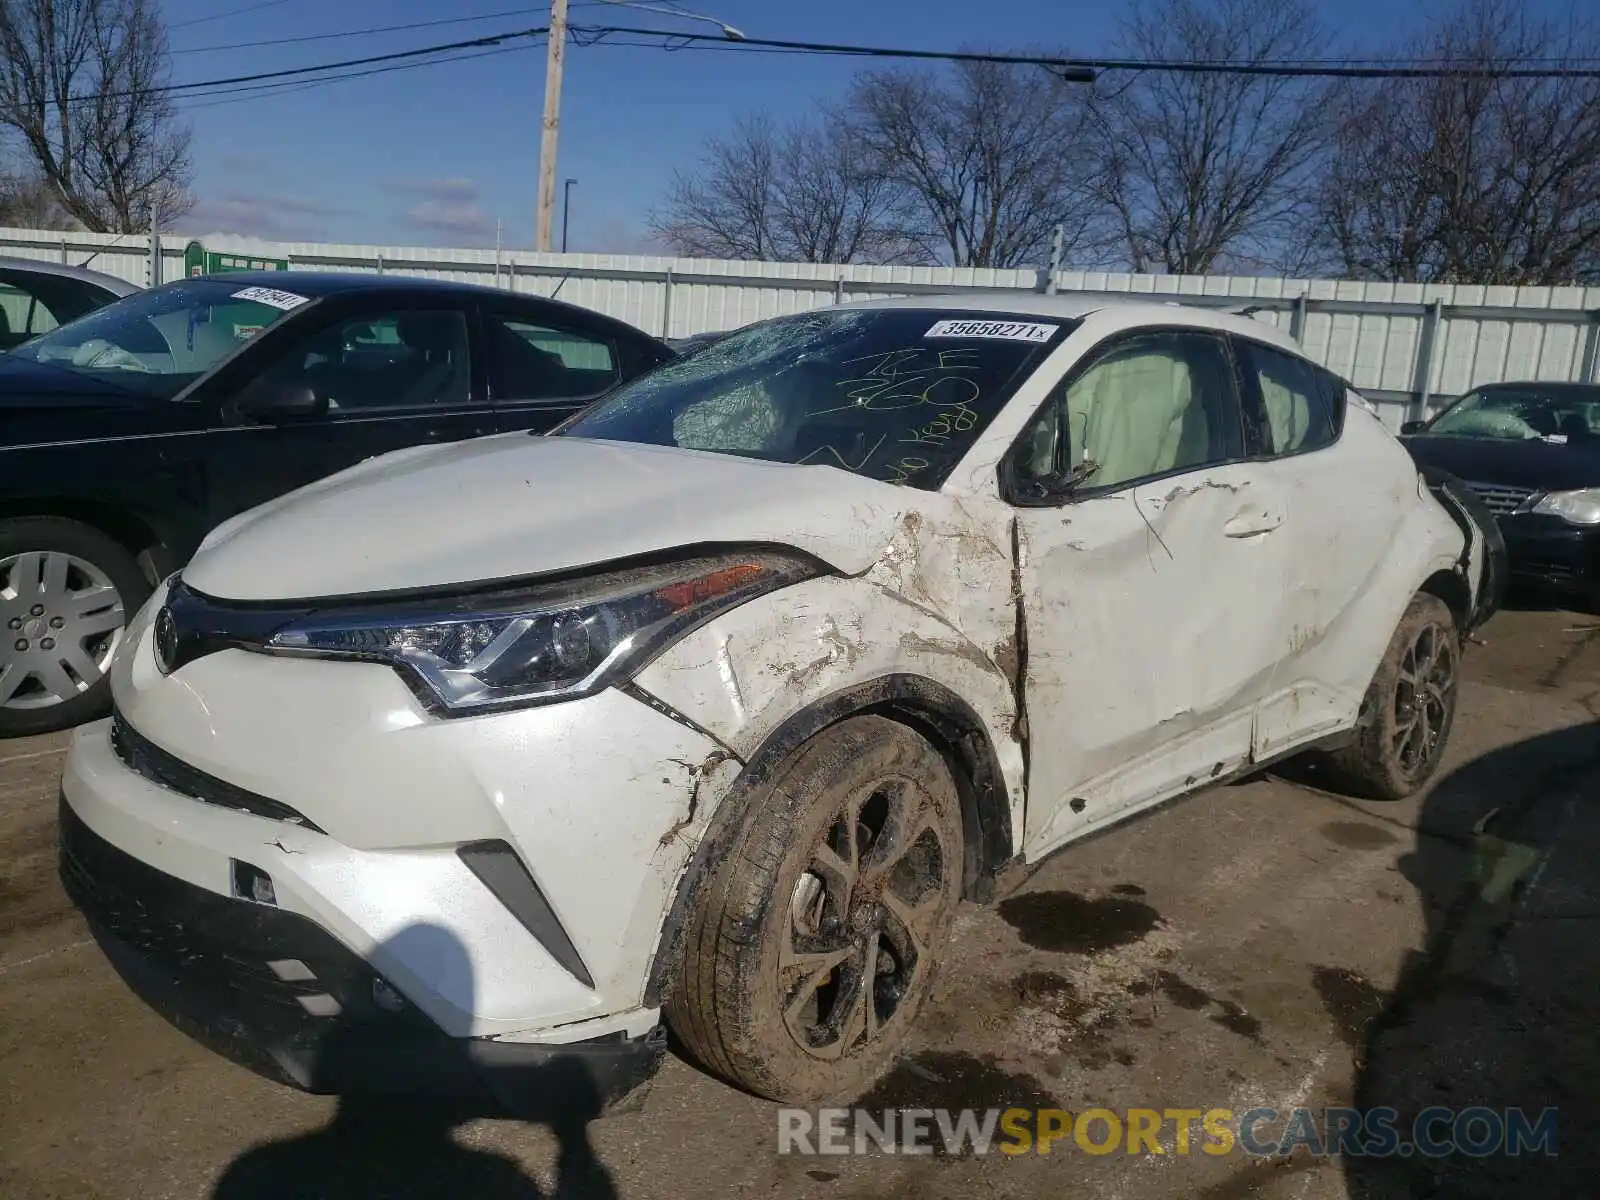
pixel 861 916
pixel 60 620
pixel 1423 698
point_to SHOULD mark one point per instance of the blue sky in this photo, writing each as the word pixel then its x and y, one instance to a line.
pixel 436 156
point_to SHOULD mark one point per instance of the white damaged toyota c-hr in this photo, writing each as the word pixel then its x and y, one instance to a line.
pixel 470 766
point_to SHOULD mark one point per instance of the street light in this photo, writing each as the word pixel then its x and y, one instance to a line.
pixel 566 210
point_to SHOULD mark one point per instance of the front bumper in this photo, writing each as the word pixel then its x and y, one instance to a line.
pixel 274 991
pixel 1551 554
pixel 380 823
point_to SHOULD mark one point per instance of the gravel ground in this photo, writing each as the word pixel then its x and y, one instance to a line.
pixel 1259 944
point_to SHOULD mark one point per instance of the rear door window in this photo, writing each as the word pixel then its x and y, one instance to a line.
pixel 533 361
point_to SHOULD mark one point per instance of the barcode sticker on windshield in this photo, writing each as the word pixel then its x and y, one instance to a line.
pixel 272 296
pixel 1005 331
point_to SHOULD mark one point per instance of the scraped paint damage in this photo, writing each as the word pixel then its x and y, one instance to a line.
pixel 1018 650
pixel 938 600
pixel 698 772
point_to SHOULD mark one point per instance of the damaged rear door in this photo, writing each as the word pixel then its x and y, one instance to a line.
pixel 1150 570
pixel 1346 491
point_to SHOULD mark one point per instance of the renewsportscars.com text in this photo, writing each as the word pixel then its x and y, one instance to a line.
pixel 1259 1132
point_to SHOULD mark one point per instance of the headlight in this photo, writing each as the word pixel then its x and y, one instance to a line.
pixel 553 642
pixel 1581 507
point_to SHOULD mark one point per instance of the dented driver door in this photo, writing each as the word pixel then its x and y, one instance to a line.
pixel 1151 602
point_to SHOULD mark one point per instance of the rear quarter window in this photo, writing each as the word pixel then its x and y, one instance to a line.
pixel 1303 404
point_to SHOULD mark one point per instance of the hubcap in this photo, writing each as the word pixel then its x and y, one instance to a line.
pixel 60 619
pixel 860 918
pixel 1422 698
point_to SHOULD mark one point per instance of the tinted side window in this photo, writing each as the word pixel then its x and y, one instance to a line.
pixel 412 359
pixel 22 314
pixel 1301 400
pixel 530 361
pixel 1148 406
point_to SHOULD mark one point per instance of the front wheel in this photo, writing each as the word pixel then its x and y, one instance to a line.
pixel 66 591
pixel 815 942
pixel 1409 707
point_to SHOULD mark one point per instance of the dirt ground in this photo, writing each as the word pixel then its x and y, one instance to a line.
pixel 1258 944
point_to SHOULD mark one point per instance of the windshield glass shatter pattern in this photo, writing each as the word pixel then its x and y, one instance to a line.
pixel 894 394
pixel 1557 414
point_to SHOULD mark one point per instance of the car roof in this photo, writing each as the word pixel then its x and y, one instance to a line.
pixel 39 266
pixel 1540 385
pixel 332 283
pixel 1133 311
pixel 321 284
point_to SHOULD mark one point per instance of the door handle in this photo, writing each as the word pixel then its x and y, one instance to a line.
pixel 1252 523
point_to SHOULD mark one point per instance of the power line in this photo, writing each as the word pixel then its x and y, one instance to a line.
pixel 495 39
pixel 1070 69
pixel 264 91
pixel 716 43
pixel 232 12
pixel 596 35
pixel 366 31
pixel 1085 69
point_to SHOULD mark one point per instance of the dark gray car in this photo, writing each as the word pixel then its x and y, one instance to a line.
pixel 37 296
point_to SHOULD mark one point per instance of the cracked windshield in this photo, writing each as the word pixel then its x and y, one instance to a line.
pixel 894 394
pixel 1560 415
pixel 160 342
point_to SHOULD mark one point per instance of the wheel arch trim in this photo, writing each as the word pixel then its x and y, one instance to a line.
pixel 146 538
pixel 929 708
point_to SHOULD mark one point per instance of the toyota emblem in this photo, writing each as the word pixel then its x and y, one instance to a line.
pixel 166 640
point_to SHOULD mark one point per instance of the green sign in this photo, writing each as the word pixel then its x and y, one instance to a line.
pixel 197 260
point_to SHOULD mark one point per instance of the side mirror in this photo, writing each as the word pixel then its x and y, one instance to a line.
pixel 274 403
pixel 1413 427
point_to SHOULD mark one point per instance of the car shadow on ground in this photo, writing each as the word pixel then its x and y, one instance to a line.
pixel 1498 1008
pixel 389 1144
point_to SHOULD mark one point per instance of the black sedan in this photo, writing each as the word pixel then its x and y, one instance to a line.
pixel 1532 452
pixel 126 435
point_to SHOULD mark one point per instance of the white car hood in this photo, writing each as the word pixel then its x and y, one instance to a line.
pixel 516 505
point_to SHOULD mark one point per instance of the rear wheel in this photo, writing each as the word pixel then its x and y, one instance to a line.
pixel 66 591
pixel 1409 708
pixel 816 939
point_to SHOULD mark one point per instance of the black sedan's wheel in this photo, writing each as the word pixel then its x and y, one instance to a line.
pixel 1409 708
pixel 816 940
pixel 66 592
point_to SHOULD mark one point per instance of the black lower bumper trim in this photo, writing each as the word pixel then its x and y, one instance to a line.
pixel 202 961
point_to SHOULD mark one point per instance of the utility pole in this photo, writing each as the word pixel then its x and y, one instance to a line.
pixel 554 58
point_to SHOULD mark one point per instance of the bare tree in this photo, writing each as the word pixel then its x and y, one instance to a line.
pixel 82 85
pixel 1200 170
pixel 808 193
pixel 986 159
pixel 29 202
pixel 1471 178
pixel 835 204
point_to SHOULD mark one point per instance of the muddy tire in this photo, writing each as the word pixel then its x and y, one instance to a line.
pixel 815 941
pixel 66 592
pixel 1408 710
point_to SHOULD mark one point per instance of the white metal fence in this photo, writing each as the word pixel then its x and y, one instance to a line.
pixel 1408 346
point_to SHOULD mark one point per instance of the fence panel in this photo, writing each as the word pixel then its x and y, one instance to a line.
pixel 1406 345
